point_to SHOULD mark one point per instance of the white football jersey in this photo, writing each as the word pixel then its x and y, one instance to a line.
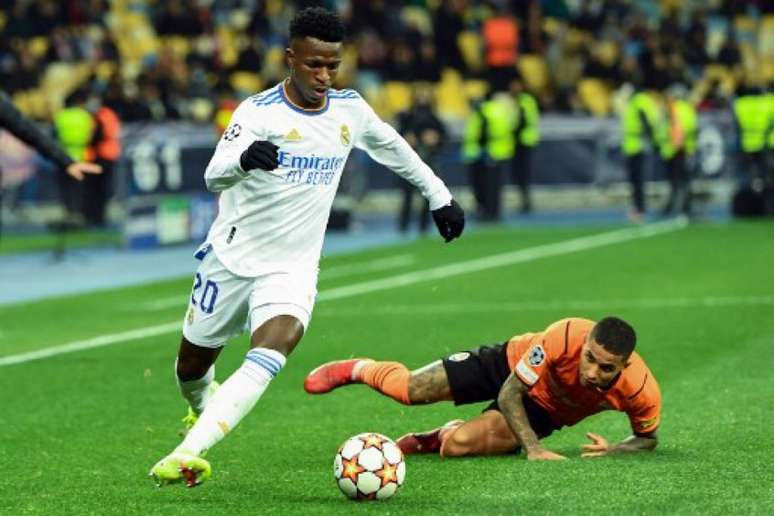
pixel 275 221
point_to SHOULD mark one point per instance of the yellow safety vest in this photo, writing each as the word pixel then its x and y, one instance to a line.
pixel 753 116
pixel 499 140
pixel 633 138
pixel 74 129
pixel 770 102
pixel 528 108
pixel 471 139
pixel 687 120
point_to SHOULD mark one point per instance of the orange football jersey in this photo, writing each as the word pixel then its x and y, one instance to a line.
pixel 548 362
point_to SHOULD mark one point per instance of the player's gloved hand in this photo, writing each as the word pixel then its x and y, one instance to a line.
pixel 260 154
pixel 450 220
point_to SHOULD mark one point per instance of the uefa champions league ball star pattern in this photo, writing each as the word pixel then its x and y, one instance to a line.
pixel 369 466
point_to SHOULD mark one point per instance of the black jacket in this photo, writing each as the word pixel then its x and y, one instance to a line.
pixel 21 127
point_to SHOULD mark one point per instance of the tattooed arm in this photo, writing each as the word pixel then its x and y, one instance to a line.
pixel 512 407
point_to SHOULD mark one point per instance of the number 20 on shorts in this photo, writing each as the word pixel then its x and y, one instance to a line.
pixel 209 294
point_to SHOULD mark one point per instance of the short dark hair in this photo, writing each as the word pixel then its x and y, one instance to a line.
pixel 615 335
pixel 319 23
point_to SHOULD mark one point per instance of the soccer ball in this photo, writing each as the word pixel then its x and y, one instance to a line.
pixel 369 466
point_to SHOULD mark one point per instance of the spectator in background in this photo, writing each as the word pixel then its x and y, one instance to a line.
pixel 729 54
pixel 640 125
pixel 178 19
pixel 488 147
pixel 501 42
pixel 23 70
pixel 678 147
pixel 74 127
pixel 448 24
pixel 106 145
pixel 251 57
pixel 527 136
pixel 474 156
pixel 754 119
pixel 427 68
pixel 425 132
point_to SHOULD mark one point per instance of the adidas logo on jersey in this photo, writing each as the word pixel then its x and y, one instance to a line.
pixel 293 136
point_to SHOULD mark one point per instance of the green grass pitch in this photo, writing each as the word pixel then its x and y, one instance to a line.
pixel 79 431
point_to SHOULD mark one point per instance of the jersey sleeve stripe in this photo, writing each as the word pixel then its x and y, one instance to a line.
pixel 566 336
pixel 640 389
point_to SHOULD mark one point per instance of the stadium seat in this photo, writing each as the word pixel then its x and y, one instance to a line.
pixel 534 70
pixel 179 45
pixel 20 100
pixel 607 51
pixel 274 62
pixel 105 70
pixel 472 49
pixel 397 97
pixel 450 95
pixel 595 96
pixel 202 110
pixel 61 78
pixel 228 43
pixel 246 82
pixel 417 17
pixel 38 104
pixel 475 89
pixel 38 46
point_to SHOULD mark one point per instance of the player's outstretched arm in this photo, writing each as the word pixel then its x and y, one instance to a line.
pixel 386 146
pixel 633 443
pixel 511 405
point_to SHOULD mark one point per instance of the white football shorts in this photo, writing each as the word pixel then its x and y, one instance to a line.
pixel 224 305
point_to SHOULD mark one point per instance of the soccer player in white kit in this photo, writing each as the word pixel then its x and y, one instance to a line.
pixel 278 166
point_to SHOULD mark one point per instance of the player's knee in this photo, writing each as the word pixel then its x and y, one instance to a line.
pixel 458 444
pixel 281 333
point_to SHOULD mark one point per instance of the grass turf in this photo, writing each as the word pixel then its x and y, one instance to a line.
pixel 12 243
pixel 81 430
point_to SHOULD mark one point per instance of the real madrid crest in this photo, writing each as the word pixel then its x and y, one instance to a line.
pixel 345 136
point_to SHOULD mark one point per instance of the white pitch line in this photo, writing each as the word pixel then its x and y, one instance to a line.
pixel 422 310
pixel 503 259
pixel 400 280
pixel 339 271
pixel 381 264
pixel 95 342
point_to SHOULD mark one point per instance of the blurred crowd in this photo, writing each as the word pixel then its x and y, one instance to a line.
pixel 162 60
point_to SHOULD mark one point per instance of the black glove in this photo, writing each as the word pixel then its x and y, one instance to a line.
pixel 450 220
pixel 260 154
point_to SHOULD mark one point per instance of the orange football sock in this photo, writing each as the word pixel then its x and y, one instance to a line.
pixel 389 378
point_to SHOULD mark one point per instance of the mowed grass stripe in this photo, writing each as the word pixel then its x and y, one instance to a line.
pixel 400 280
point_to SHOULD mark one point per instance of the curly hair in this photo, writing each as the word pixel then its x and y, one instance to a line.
pixel 319 23
pixel 615 335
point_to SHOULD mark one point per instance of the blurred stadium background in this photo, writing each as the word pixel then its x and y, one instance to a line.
pixel 173 71
pixel 90 310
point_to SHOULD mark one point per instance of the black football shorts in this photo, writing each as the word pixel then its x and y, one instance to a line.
pixel 477 375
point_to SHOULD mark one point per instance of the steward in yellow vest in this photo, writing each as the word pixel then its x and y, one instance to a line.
pixel 640 123
pixel 527 138
pixel 489 143
pixel 74 127
pixel 678 145
pixel 754 114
